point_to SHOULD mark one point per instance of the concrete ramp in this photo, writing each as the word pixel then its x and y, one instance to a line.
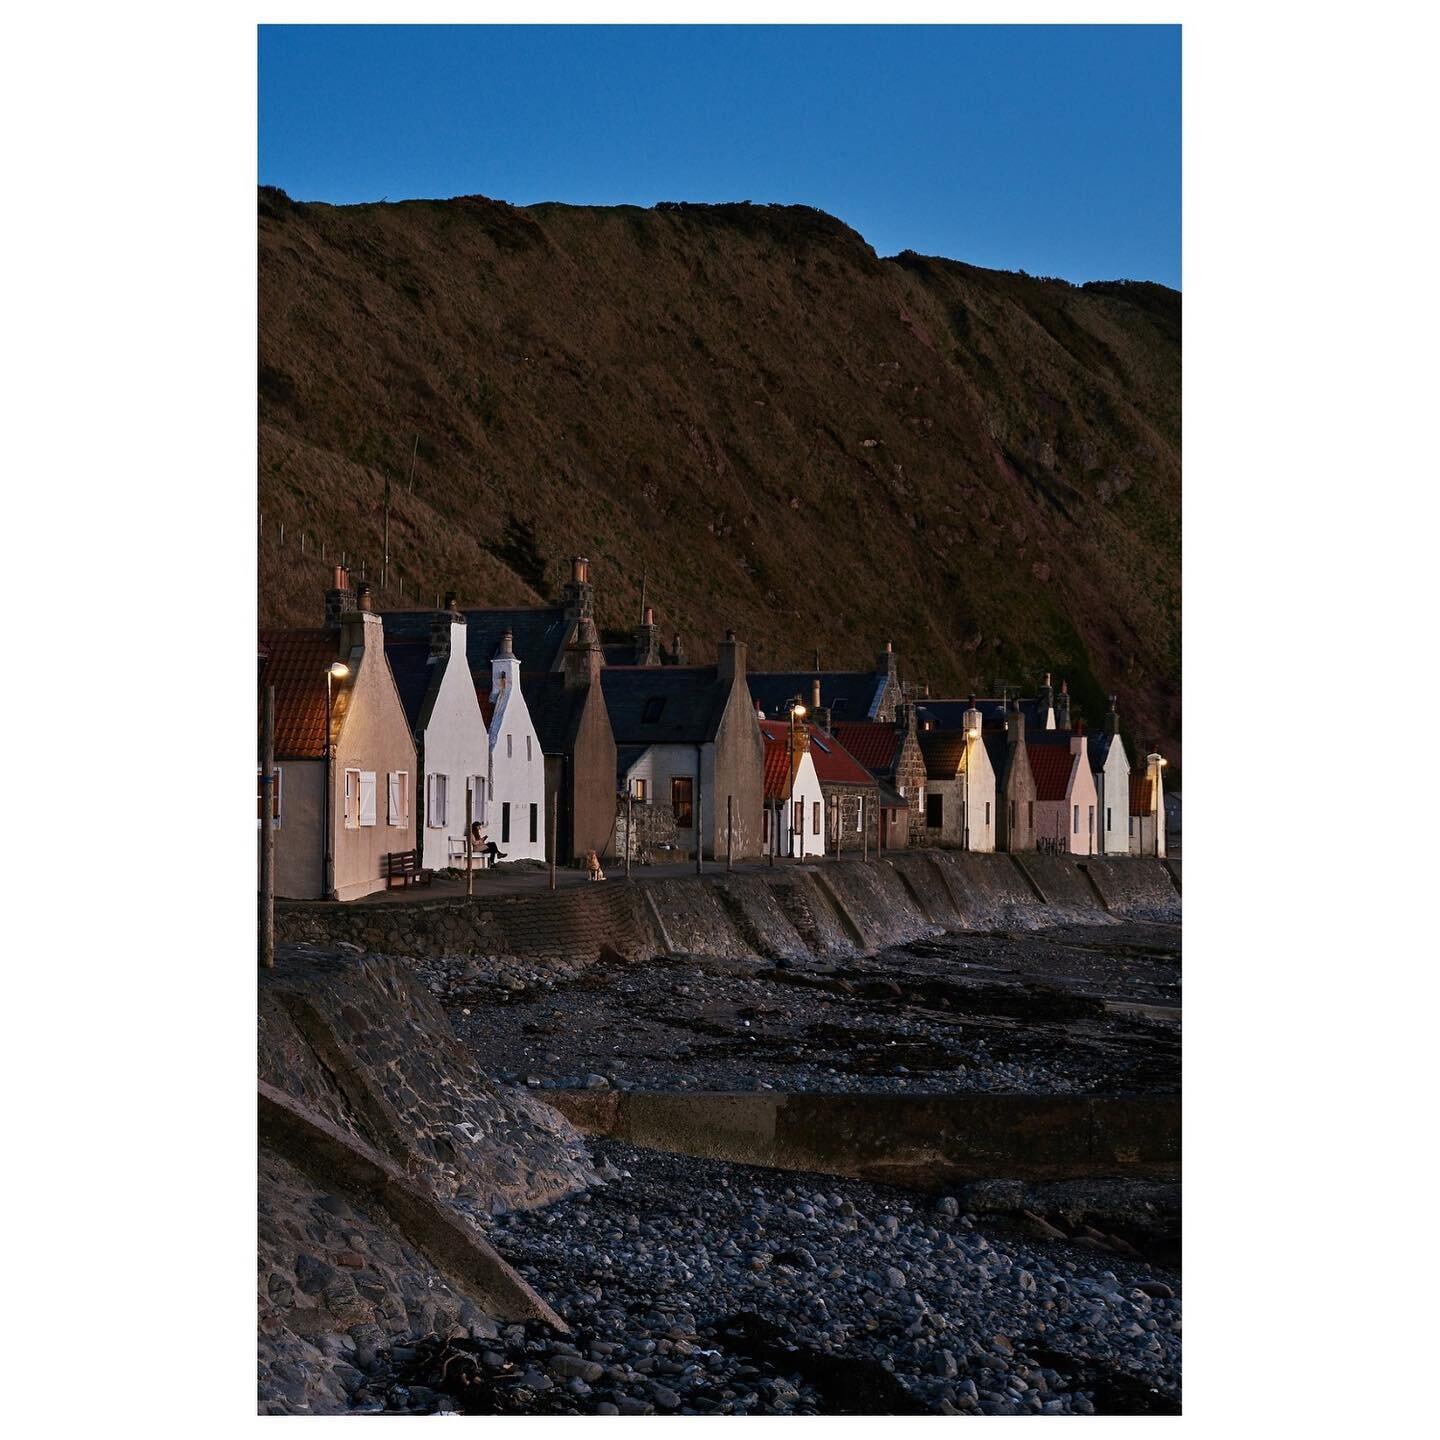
pixel 925 1142
pixel 1136 888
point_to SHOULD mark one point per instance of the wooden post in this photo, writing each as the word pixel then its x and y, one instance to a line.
pixel 554 835
pixel 729 832
pixel 629 827
pixel 469 841
pixel 267 833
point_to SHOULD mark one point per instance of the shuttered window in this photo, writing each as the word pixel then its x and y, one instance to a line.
pixel 352 799
pixel 367 797
pixel 397 797
pixel 437 801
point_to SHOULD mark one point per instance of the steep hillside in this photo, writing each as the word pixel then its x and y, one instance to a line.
pixel 786 434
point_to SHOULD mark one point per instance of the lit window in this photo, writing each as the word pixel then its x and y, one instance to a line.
pixel 682 799
pixel 639 788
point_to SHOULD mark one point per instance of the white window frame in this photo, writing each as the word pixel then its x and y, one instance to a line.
pixel 437 800
pixel 367 782
pixel 276 808
pixel 397 782
pixel 352 811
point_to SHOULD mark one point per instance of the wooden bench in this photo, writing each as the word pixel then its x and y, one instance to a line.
pixel 404 866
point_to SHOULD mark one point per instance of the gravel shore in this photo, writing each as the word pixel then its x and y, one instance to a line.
pixel 697 1287
pixel 1077 1010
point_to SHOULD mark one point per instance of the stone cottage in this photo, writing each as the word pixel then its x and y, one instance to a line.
pixel 851 793
pixel 689 740
pixel 344 799
pixel 891 752
pixel 960 786
pixel 1065 799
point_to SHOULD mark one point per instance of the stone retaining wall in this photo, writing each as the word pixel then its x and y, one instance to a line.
pixel 829 909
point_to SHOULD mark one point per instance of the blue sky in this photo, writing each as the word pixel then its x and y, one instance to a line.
pixel 1052 149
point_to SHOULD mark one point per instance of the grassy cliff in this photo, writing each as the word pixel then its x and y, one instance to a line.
pixel 789 435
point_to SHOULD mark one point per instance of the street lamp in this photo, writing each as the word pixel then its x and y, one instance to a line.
pixel 797 714
pixel 337 670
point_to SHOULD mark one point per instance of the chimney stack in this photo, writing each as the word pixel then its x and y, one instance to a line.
pixel 885 661
pixel 647 647
pixel 730 660
pixel 1112 720
pixel 504 668
pixel 440 627
pixel 1015 725
pixel 679 649
pixel 583 656
pixel 579 593
pixel 339 598
pixel 815 694
pixel 1045 708
pixel 1062 707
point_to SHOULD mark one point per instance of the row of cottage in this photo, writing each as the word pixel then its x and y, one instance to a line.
pixel 395 733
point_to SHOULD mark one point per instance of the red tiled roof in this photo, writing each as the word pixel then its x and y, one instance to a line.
pixel 1051 766
pixel 776 737
pixel 1141 800
pixel 295 664
pixel 834 764
pixel 871 742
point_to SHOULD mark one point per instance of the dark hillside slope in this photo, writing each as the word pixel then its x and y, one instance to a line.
pixel 790 436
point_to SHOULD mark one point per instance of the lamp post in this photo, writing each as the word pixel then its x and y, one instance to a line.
pixel 334 671
pixel 797 716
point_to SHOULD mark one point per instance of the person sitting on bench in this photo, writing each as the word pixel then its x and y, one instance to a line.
pixel 484 847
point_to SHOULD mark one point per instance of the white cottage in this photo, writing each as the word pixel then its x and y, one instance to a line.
pixel 1111 768
pixel 450 739
pixel 794 817
pixel 514 812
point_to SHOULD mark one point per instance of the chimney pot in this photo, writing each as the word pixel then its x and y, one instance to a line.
pixel 451 601
pixel 579 569
pixel 342 578
pixel 362 595
pixel 649 616
pixel 814 694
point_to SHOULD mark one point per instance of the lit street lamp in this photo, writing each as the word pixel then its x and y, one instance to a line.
pixel 797 715
pixel 335 671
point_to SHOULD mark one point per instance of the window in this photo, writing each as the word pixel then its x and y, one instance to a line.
pixel 815 819
pixel 1090 820
pixel 534 823
pixel 260 799
pixel 509 747
pixel 935 811
pixel 437 801
pixel 529 750
pixel 987 812
pixel 797 823
pixel 682 799
pixel 1012 814
pixel 397 808
pixel 639 787
pixel 860 815
pixel 367 797
pixel 1132 825
pixel 1077 820
pixel 653 706
pixel 1109 823
pixel 505 823
pixel 352 799
pixel 1030 813
pixel 478 798
pixel 765 825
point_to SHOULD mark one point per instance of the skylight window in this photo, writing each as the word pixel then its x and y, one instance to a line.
pixel 653 706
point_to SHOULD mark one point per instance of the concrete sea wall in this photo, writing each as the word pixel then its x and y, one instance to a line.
pixel 824 909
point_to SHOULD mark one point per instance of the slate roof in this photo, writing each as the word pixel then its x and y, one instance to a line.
pixel 538 635
pixel 849 694
pixel 949 714
pixel 410 664
pixel 1051 766
pixel 944 752
pixel 626 756
pixel 993 739
pixel 1142 801
pixel 664 704
pixel 295 662
pixel 555 710
pixel 891 798
pixel 834 764
pixel 874 743
pixel 1097 747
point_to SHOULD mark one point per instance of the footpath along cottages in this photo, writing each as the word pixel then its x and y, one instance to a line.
pixel 344 798
pixel 794 820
